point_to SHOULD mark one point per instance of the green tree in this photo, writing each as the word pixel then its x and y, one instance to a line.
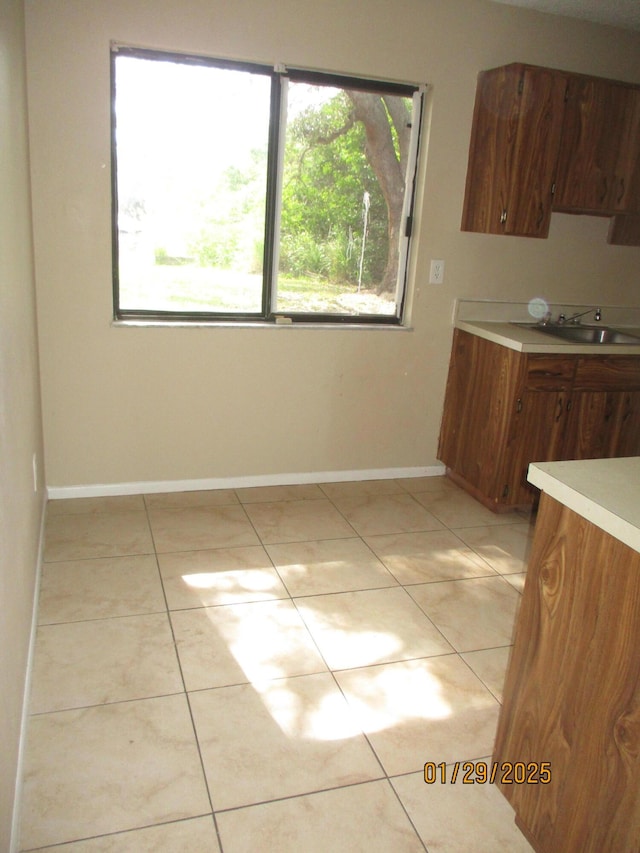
pixel 351 148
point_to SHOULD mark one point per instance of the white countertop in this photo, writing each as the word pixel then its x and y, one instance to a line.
pixel 524 339
pixel 502 323
pixel 604 491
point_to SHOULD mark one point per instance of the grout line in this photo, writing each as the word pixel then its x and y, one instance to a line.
pixel 184 685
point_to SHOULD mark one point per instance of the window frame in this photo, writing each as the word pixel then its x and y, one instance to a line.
pixel 268 315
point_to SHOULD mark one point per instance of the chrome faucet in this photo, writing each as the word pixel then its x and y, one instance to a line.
pixel 575 318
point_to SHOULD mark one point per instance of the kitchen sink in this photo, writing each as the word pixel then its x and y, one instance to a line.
pixel 583 334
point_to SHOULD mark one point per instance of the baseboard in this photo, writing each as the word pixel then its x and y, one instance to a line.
pixel 17 800
pixel 152 487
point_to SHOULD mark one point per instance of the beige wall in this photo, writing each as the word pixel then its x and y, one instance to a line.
pixel 125 405
pixel 20 424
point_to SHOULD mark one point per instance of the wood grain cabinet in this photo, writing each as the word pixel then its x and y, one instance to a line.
pixel 571 700
pixel 545 140
pixel 516 132
pixel 505 409
pixel 604 415
pixel 599 160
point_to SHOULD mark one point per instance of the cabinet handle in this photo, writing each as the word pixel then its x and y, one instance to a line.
pixel 503 217
pixel 518 406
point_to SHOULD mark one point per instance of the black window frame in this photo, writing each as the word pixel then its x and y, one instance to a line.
pixel 275 137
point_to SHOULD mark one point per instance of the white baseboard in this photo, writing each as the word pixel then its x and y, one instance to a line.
pixel 17 802
pixel 147 487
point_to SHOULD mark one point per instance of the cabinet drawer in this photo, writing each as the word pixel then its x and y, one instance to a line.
pixel 549 372
pixel 608 373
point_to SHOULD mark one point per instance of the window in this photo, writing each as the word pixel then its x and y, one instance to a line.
pixel 250 193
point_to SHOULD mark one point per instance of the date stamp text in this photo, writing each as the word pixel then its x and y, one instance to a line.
pixel 480 772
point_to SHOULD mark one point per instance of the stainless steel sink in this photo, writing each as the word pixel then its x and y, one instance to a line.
pixel 583 334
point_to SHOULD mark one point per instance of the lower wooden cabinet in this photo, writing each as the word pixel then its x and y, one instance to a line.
pixel 570 719
pixel 504 409
pixel 603 424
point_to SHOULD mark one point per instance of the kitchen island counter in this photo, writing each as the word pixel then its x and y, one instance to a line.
pixel 604 491
pixel 571 701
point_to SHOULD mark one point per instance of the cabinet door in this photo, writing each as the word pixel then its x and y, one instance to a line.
pixel 627 438
pixel 592 424
pixel 537 435
pixel 624 230
pixel 599 162
pixel 481 389
pixel 605 408
pixel 603 424
pixel 513 153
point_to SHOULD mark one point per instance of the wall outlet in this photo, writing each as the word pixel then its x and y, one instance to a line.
pixel 436 273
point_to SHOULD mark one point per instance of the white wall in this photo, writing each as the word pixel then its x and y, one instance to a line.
pixel 20 421
pixel 129 404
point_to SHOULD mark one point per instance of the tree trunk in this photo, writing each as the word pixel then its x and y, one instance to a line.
pixel 390 171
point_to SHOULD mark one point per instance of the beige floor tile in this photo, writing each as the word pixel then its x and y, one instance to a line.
pixel 195 835
pixel 490 665
pixel 425 557
pixel 84 535
pixel 433 709
pixel 219 576
pixel 110 768
pixel 455 508
pixel 96 589
pixel 360 488
pixel 184 500
pixel 474 818
pixel 196 528
pixel 505 547
pixel 330 565
pixel 108 660
pixel 282 739
pixel 270 494
pixel 387 513
pixel 370 626
pixel 114 503
pixel 236 643
pixel 362 817
pixel 298 521
pixel 517 581
pixel 415 485
pixel 286 737
pixel 477 613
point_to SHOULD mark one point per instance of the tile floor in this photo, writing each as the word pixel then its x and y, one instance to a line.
pixel 270 669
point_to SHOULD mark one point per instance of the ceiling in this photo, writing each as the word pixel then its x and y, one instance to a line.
pixel 617 13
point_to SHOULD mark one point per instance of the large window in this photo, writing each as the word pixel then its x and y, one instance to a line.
pixel 250 193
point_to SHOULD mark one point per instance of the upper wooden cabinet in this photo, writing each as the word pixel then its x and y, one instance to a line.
pixel 517 125
pixel 599 161
pixel 545 140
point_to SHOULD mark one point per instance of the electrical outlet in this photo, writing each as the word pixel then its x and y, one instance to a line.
pixel 436 273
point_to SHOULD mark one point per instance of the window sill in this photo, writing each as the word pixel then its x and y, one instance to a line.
pixel 222 324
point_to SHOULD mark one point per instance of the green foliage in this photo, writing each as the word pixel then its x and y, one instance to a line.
pixel 163 258
pixel 326 176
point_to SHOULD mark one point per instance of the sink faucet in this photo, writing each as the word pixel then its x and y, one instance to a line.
pixel 575 318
